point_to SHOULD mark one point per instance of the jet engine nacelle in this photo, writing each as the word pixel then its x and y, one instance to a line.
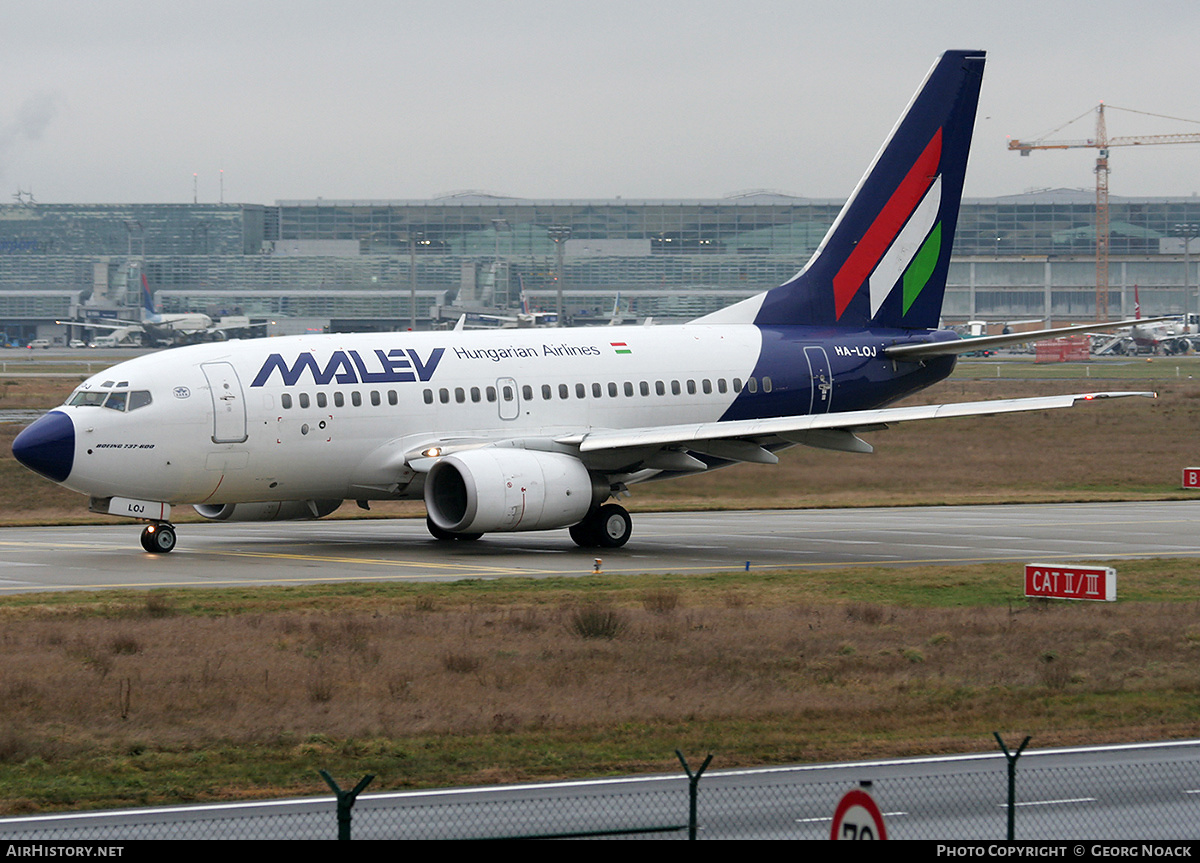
pixel 274 510
pixel 498 489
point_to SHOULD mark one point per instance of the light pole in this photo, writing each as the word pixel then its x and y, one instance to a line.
pixel 1187 230
pixel 559 234
pixel 498 225
pixel 413 238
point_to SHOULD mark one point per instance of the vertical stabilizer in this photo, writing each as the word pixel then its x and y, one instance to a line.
pixel 884 261
pixel 148 312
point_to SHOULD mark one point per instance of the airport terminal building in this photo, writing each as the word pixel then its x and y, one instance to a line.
pixel 354 265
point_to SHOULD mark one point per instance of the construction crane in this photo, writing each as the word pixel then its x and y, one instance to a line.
pixel 1103 143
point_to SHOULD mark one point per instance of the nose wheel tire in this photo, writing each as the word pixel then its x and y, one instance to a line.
pixel 158 538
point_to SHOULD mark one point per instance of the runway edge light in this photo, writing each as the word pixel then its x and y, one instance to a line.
pixel 1071 581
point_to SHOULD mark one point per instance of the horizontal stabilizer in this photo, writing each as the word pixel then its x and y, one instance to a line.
pixel 980 343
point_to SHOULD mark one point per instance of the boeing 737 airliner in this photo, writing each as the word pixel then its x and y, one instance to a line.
pixel 538 429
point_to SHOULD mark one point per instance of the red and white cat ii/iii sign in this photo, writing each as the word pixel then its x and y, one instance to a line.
pixel 1068 581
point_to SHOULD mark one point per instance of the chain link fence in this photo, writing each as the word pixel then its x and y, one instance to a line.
pixel 1118 793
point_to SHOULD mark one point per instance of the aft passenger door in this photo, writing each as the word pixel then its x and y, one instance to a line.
pixel 822 380
pixel 229 405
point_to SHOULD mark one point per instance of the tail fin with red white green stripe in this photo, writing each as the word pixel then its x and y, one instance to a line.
pixel 884 261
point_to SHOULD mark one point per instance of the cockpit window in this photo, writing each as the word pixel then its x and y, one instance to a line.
pixel 139 399
pixel 116 401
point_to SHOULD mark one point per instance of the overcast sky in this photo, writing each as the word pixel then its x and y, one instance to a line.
pixel 128 100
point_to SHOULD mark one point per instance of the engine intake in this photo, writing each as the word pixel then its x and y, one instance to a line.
pixel 484 490
pixel 274 510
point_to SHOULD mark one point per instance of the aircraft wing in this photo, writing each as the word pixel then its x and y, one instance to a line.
pixel 830 431
pixel 113 325
pixel 119 330
pixel 668 447
pixel 978 343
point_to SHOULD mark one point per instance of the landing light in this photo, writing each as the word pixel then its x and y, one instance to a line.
pixel 432 452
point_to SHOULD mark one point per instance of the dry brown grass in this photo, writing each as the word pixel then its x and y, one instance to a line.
pixel 129 699
pixel 248 678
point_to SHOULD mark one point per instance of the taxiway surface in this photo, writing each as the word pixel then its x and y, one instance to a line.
pixel 109 556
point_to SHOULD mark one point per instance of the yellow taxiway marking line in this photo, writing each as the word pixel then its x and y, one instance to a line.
pixel 371 561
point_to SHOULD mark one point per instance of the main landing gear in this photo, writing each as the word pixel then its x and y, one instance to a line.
pixel 608 526
pixel 159 537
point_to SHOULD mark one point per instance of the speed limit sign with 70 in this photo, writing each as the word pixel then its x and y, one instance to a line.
pixel 857 817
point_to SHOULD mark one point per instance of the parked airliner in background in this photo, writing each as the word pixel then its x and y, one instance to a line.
pixel 537 429
pixel 1171 335
pixel 164 329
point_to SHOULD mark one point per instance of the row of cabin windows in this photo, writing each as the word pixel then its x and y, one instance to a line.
pixel 508 393
pixel 322 400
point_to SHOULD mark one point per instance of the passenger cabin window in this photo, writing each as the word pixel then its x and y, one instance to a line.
pixel 286 401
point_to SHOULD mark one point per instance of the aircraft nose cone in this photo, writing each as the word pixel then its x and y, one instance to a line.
pixel 47 446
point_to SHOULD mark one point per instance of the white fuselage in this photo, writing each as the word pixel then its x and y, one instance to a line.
pixel 328 416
